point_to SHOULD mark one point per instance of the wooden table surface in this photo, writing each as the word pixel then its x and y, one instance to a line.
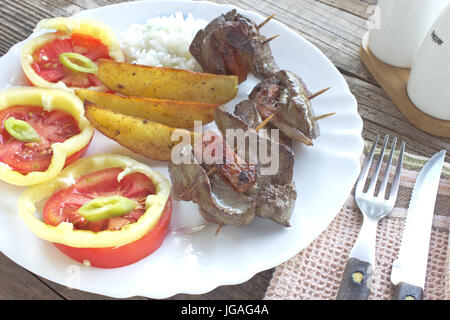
pixel 334 26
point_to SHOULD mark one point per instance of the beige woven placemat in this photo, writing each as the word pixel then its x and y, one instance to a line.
pixel 316 272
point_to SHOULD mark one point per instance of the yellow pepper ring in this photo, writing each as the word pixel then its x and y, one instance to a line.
pixel 64 232
pixel 48 99
pixel 67 27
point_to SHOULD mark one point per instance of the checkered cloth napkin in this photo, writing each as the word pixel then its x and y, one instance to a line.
pixel 316 272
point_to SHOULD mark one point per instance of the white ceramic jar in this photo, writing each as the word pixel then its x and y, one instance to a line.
pixel 429 82
pixel 399 27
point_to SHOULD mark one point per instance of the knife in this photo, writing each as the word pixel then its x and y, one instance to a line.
pixel 409 270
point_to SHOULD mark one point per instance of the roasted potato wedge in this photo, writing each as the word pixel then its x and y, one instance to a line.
pixel 172 113
pixel 145 137
pixel 167 83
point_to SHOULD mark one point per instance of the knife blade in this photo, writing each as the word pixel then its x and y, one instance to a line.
pixel 409 270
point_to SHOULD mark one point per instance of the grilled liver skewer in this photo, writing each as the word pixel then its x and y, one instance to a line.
pixel 232 56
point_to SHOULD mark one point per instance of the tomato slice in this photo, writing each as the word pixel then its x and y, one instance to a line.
pixel 47 65
pixel 54 126
pixel 64 205
pixel 125 255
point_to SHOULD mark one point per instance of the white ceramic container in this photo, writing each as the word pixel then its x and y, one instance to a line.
pixel 399 27
pixel 429 81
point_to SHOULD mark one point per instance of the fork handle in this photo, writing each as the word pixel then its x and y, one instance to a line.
pixel 355 282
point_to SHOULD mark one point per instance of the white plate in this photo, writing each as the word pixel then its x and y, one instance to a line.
pixel 198 262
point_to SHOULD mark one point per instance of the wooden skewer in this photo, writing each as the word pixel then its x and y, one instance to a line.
pixel 220 226
pixel 271 38
pixel 259 26
pixel 324 116
pixel 318 93
pixel 266 120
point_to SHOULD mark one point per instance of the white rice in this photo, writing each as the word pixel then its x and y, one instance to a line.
pixel 162 42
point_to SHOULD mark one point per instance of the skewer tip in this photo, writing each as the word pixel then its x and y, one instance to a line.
pixel 271 38
pixel 264 122
pixel 324 116
pixel 219 227
pixel 318 93
pixel 259 26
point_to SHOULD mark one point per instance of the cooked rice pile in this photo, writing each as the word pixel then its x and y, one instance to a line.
pixel 162 42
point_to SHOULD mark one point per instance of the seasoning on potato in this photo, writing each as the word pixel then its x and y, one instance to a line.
pixel 148 138
pixel 167 83
pixel 179 114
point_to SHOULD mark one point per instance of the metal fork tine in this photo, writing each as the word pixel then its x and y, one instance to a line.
pixel 396 182
pixel 374 179
pixel 384 182
pixel 365 167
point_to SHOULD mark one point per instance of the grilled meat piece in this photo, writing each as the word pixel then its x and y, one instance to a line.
pixel 218 201
pixel 247 112
pixel 231 44
pixel 286 95
pixel 285 155
pixel 240 174
pixel 283 94
pixel 277 203
pixel 266 96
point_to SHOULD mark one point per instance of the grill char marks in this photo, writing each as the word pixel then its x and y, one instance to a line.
pixel 239 173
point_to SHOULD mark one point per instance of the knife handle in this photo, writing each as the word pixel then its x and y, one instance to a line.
pixel 404 291
pixel 355 284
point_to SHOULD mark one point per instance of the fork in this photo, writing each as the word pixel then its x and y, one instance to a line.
pixel 355 284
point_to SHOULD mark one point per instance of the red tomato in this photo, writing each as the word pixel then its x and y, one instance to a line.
pixel 64 205
pixel 127 254
pixel 47 65
pixel 54 126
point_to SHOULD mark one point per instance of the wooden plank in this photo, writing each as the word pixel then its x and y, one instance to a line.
pixel 74 294
pixel 381 116
pixel 17 283
pixel 254 289
pixel 360 8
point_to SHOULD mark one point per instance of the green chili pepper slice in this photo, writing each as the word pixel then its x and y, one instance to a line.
pixel 21 130
pixel 106 207
pixel 78 62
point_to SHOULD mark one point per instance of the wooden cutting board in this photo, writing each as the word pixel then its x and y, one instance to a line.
pixel 393 80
